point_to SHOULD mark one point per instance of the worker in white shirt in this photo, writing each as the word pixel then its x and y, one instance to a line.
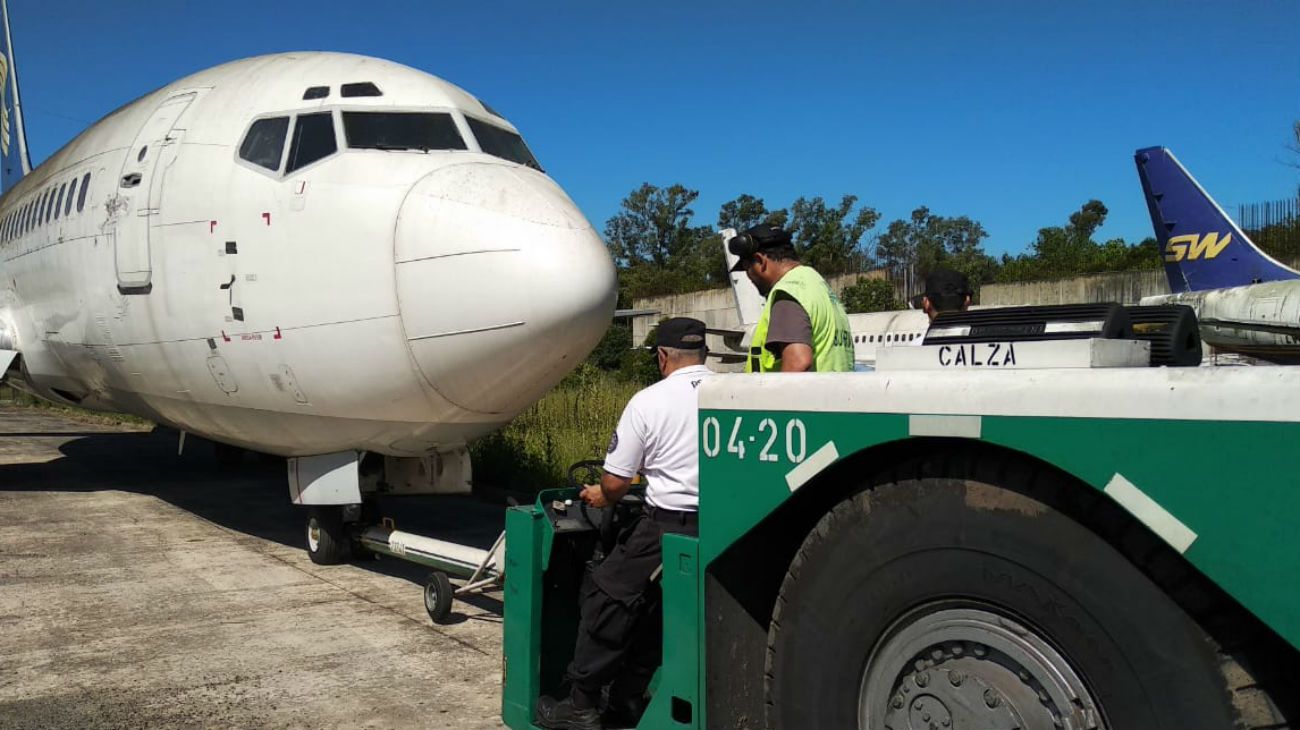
pixel 619 635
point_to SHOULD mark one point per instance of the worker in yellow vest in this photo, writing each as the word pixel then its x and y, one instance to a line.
pixel 803 327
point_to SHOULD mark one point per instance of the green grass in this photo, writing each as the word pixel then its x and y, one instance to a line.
pixel 572 423
pixel 13 397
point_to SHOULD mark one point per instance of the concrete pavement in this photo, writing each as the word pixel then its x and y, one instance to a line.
pixel 139 589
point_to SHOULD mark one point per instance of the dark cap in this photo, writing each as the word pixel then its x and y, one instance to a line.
pixel 752 240
pixel 684 333
pixel 946 282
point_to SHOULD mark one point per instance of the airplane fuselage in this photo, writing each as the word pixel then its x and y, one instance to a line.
pixel 264 290
pixel 1258 320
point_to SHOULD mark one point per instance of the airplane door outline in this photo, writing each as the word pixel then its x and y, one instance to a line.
pixel 139 193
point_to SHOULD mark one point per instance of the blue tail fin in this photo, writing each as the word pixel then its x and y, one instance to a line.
pixel 1202 247
pixel 14 160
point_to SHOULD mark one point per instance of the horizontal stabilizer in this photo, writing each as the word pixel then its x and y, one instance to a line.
pixel 1202 247
pixel 634 313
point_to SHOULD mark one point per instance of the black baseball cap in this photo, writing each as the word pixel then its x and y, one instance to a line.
pixel 946 282
pixel 684 333
pixel 752 240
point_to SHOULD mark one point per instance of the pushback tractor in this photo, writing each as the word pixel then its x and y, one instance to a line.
pixel 1036 519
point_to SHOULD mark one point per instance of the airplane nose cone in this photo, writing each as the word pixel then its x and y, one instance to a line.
pixel 502 283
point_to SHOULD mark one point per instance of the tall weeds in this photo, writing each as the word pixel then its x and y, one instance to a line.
pixel 572 423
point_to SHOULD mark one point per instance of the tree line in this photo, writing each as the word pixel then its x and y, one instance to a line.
pixel 661 248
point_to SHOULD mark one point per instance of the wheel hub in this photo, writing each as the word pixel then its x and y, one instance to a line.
pixel 313 536
pixel 953 667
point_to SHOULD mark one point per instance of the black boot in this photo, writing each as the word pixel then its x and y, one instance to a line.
pixel 563 715
pixel 623 712
pixel 627 699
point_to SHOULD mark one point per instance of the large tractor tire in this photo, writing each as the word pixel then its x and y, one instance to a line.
pixel 947 604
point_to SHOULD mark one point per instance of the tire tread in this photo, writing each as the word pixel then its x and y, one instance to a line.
pixel 1250 697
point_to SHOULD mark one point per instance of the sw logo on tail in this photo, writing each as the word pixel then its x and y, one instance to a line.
pixel 1192 246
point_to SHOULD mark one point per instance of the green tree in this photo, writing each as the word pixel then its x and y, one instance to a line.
pixel 870 295
pixel 641 365
pixel 608 353
pixel 829 238
pixel 746 211
pixel 911 248
pixel 653 226
pixel 1069 250
pixel 654 244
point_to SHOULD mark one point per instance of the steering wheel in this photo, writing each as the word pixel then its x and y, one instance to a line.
pixel 605 521
pixel 587 472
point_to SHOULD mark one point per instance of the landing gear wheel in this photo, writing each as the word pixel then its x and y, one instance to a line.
pixel 327 540
pixel 437 596
pixel 983 608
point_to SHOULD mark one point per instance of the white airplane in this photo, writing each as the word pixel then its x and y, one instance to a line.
pixel 1248 303
pixel 315 255
pixel 871 331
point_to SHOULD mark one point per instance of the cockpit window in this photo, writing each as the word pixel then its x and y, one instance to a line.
pixel 502 143
pixel 401 131
pixel 364 88
pixel 313 139
pixel 264 142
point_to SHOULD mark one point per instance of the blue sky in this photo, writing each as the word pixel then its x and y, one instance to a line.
pixel 1013 113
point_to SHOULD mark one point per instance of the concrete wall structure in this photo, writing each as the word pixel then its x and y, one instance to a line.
pixel 1125 287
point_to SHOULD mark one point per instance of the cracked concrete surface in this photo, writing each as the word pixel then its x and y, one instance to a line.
pixel 139 589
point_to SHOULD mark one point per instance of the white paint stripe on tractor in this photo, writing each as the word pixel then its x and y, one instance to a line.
pixel 1146 509
pixel 812 466
pixel 956 426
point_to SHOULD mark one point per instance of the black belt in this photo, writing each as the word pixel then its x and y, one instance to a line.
pixel 672 516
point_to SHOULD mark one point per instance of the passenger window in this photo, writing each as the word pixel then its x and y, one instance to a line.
pixel 49 205
pixel 313 139
pixel 72 191
pixel 58 205
pixel 264 142
pixel 85 187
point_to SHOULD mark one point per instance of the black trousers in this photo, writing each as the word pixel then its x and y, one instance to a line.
pixel 620 634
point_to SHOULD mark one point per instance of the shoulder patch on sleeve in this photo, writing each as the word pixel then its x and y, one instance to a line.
pixel 613 443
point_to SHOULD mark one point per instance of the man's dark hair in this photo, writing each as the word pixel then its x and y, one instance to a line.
pixel 781 253
pixel 947 290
